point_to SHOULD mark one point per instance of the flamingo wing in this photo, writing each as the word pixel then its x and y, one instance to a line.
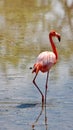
pixel 44 62
pixel 46 57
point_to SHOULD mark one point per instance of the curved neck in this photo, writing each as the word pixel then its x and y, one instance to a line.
pixel 53 46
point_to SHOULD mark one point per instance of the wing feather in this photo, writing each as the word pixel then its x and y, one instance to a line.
pixel 46 57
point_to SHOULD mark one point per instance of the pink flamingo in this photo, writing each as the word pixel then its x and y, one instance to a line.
pixel 45 61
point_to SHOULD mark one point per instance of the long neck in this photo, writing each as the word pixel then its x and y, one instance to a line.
pixel 53 46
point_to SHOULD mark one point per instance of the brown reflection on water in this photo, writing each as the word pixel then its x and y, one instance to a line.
pixel 24 28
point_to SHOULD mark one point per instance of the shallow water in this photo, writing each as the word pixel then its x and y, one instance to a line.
pixel 24 28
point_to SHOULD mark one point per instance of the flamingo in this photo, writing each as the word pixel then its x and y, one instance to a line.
pixel 45 61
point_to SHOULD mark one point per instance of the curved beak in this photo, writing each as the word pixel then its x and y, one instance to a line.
pixel 58 36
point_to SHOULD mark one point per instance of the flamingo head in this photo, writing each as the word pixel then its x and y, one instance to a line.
pixel 55 34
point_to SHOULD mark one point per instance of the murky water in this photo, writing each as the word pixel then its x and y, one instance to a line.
pixel 24 28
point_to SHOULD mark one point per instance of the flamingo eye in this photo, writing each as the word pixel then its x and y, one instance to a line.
pixel 54 33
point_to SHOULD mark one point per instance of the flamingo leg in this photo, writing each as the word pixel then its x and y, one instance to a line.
pixel 37 119
pixel 46 118
pixel 38 89
pixel 46 87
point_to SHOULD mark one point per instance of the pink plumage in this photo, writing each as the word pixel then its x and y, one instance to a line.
pixel 45 60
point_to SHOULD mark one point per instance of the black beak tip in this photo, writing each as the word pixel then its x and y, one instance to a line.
pixel 59 38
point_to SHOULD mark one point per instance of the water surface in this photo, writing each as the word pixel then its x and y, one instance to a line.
pixel 24 28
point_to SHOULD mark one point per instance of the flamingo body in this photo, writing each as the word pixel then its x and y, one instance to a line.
pixel 44 62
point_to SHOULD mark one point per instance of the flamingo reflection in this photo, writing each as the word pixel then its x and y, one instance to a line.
pixel 37 119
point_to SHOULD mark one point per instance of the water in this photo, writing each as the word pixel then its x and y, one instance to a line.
pixel 24 28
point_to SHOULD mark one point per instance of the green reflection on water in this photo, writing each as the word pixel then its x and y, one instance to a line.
pixel 23 25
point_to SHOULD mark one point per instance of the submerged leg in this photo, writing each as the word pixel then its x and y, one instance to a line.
pixel 46 87
pixel 37 119
pixel 38 89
